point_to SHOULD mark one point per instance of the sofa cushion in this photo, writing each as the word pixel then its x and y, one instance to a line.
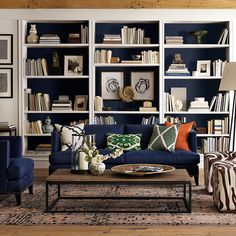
pixel 163 138
pixel 61 158
pixel 101 131
pixel 183 134
pixel 145 130
pixel 128 142
pixel 19 168
pixel 117 161
pixel 66 133
pixel 161 157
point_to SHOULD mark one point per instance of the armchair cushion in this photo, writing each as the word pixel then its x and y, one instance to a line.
pixel 61 158
pixel 19 168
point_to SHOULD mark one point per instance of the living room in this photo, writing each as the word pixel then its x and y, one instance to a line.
pixel 171 51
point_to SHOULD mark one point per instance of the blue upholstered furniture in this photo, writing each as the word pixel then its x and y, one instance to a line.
pixel 16 173
pixel 180 159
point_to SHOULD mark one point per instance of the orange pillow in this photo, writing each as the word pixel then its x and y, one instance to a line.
pixel 182 138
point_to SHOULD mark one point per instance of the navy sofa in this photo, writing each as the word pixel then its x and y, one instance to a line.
pixel 180 159
pixel 16 173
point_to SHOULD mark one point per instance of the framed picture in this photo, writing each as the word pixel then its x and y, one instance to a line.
pixel 80 102
pixel 73 65
pixel 6 83
pixel 6 49
pixel 204 68
pixel 143 84
pixel 111 81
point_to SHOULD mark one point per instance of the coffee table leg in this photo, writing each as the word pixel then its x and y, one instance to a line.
pixel 190 198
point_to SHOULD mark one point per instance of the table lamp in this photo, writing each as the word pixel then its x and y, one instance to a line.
pixel 228 83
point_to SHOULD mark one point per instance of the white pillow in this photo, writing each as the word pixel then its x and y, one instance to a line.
pixel 66 133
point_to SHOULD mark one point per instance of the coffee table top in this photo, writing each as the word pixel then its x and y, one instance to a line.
pixel 62 176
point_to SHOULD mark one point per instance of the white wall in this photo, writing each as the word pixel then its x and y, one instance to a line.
pixel 9 106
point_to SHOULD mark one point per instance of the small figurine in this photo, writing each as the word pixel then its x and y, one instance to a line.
pixel 32 37
pixel 178 59
pixel 48 128
pixel 199 34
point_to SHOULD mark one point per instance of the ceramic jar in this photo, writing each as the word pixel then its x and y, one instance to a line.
pixel 32 37
pixel 97 169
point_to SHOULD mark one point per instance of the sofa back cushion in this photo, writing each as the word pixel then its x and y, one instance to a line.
pixel 101 131
pixel 145 130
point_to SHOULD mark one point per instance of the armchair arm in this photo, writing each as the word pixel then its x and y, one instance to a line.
pixel 4 163
pixel 192 141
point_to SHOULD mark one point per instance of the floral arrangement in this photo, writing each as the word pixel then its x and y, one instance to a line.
pixel 94 157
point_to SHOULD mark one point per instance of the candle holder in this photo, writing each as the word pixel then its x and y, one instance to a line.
pixel 79 165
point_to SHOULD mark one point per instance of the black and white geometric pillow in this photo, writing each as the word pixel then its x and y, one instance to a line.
pixel 66 133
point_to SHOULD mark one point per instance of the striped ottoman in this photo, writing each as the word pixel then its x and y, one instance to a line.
pixel 224 185
pixel 209 159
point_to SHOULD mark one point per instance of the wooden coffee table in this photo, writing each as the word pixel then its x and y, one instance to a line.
pixel 175 178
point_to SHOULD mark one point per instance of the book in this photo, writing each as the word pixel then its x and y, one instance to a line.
pixel 147 109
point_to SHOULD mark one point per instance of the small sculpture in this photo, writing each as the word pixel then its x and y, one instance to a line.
pixel 199 34
pixel 178 59
pixel 32 37
pixel 178 105
pixel 56 70
pixel 48 128
pixel 126 94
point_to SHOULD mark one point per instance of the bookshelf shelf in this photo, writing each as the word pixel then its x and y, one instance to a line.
pixel 125 65
pixel 193 77
pixel 196 46
pixel 56 112
pixel 212 135
pixel 57 77
pixel 58 45
pixel 105 45
pixel 37 135
pixel 127 112
pixel 197 113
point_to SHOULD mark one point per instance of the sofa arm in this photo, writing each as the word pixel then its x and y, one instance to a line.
pixel 192 141
pixel 4 163
pixel 55 142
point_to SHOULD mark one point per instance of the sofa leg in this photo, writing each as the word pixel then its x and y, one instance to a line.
pixel 18 199
pixel 30 189
pixel 196 178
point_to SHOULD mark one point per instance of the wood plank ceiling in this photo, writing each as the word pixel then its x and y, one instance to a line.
pixel 115 4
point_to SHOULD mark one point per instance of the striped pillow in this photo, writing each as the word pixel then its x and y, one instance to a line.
pixel 66 133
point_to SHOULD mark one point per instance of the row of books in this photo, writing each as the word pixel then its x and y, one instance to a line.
pixel 104 120
pixel 220 102
pixel 84 31
pixel 49 38
pixel 152 120
pixel 218 67
pixel 213 144
pixel 34 127
pixel 169 102
pixel 176 120
pixel 174 39
pixel 36 102
pixel 103 56
pixel 150 57
pixel 132 35
pixel 36 67
pixel 218 126
pixel 43 147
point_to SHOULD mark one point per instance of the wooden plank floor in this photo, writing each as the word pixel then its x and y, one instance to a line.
pixel 115 231
pixel 41 174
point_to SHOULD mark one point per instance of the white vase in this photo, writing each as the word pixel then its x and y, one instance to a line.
pixel 97 169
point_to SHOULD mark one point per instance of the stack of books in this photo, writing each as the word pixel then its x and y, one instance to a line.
pixel 34 127
pixel 103 56
pixel 199 105
pixel 63 103
pixel 218 126
pixel 112 38
pixel 220 102
pixel 49 38
pixel 104 120
pixel 44 147
pixel 213 144
pixel 36 67
pixel 176 120
pixel 151 120
pixel 224 37
pixel 177 70
pixel 218 67
pixel 174 40
pixel 84 34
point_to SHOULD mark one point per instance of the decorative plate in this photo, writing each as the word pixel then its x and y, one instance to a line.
pixel 142 169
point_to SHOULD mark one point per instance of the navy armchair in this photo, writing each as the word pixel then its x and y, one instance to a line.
pixel 16 173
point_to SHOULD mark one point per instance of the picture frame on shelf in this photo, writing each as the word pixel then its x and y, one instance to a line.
pixel 6 52
pixel 6 84
pixel 111 81
pixel 81 102
pixel 73 65
pixel 203 68
pixel 143 84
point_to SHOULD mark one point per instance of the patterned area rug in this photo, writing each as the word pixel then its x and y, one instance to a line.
pixel 31 212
